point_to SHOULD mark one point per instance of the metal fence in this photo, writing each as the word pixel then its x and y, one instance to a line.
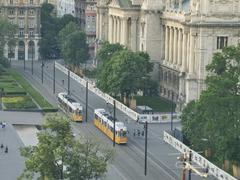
pixel 197 158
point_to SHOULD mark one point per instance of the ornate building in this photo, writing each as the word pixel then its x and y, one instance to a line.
pixel 179 35
pixel 26 14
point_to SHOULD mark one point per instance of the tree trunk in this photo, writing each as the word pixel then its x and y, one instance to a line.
pixel 236 171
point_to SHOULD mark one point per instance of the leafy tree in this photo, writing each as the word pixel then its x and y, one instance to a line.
pixel 75 48
pixel 215 116
pixel 107 50
pixel 122 74
pixel 59 156
pixel 50 27
pixel 7 35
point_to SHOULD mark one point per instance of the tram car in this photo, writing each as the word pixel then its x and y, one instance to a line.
pixel 104 122
pixel 71 107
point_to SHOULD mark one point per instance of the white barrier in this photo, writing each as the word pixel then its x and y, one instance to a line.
pixel 129 112
pixel 197 158
pixel 159 118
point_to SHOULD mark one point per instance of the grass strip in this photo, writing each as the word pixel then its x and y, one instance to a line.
pixel 42 102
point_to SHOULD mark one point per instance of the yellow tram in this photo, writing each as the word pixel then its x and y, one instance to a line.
pixel 72 108
pixel 104 121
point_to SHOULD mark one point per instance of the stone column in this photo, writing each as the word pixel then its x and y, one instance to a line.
pixel 16 53
pixel 26 50
pixel 179 61
pixel 97 24
pixel 188 52
pixel 184 52
pixel 6 50
pixel 175 49
pixel 166 43
pixel 125 31
pixel 36 50
pixel 118 30
pixel 134 34
pixel 100 25
pixel 171 45
pixel 191 55
pixel 110 29
pixel 115 30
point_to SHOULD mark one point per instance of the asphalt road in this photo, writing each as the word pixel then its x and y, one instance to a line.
pixel 128 163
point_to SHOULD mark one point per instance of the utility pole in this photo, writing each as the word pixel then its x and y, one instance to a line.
pixel 172 113
pixel 42 70
pixel 32 59
pixel 54 71
pixel 146 132
pixel 68 82
pixel 114 122
pixel 86 101
pixel 190 162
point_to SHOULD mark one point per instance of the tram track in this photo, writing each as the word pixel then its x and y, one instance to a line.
pixel 133 150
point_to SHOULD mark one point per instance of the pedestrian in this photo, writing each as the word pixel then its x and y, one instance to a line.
pixel 134 132
pixel 63 82
pixel 1 146
pixel 139 132
pixel 4 125
pixel 6 149
pixel 142 133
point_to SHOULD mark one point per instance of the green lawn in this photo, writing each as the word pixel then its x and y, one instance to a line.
pixel 18 103
pixel 158 104
pixel 43 103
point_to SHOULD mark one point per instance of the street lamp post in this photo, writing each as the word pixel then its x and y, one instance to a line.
pixel 190 161
pixel 54 72
pixel 172 112
pixel 32 59
pixel 68 82
pixel 86 101
pixel 1 96
pixel 114 122
pixel 145 164
pixel 42 70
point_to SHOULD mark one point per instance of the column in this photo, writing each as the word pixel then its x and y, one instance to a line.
pixel 36 50
pixel 100 25
pixel 166 43
pixel 179 61
pixel 97 24
pixel 118 30
pixel 184 52
pixel 191 55
pixel 125 31
pixel 171 45
pixel 16 53
pixel 6 50
pixel 26 50
pixel 134 34
pixel 110 28
pixel 175 45
pixel 115 30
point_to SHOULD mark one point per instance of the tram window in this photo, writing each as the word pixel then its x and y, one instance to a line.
pixel 96 117
pixel 123 133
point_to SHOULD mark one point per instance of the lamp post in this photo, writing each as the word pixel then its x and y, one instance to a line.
pixel 114 121
pixel 68 82
pixel 145 159
pixel 32 59
pixel 172 111
pixel 42 70
pixel 54 74
pixel 86 101
pixel 1 94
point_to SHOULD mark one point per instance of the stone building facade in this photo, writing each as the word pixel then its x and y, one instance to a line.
pixel 179 35
pixel 26 14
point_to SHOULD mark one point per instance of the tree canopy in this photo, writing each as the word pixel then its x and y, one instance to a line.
pixel 7 35
pixel 107 50
pixel 73 45
pixel 124 72
pixel 213 121
pixel 58 155
pixel 50 27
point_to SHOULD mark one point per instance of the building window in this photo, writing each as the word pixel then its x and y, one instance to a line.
pixel 31 1
pixel 11 1
pixel 21 12
pixel 11 11
pixel 31 33
pixel 222 41
pixel 21 33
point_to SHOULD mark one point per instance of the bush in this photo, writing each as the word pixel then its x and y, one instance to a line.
pixel 4 62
